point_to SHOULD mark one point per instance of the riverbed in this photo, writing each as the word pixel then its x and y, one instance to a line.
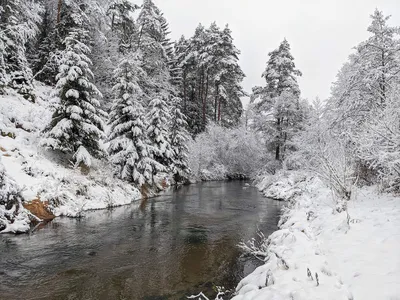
pixel 166 248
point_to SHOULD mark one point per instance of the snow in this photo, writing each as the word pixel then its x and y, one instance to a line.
pixel 355 254
pixel 41 174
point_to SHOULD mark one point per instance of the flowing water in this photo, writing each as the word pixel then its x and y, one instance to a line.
pixel 174 245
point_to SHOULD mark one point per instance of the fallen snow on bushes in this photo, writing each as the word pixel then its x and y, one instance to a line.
pixel 40 174
pixel 354 254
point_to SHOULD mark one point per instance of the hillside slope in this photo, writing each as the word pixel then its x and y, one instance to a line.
pixel 42 175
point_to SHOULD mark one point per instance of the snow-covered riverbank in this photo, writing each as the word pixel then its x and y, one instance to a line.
pixel 40 175
pixel 319 253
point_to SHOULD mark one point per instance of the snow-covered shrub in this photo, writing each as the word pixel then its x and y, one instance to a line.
pixel 327 154
pixel 378 144
pixel 221 153
pixel 13 217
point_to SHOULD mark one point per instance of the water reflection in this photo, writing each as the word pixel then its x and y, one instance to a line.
pixel 165 248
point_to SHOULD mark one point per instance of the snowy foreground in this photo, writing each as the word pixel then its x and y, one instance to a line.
pixel 39 175
pixel 354 254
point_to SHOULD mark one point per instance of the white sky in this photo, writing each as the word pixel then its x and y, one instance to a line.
pixel 321 33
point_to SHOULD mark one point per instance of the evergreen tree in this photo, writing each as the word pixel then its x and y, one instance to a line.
pixel 211 78
pixel 179 139
pixel 129 145
pixel 150 45
pixel 18 25
pixel 158 132
pixel 76 126
pixel 278 103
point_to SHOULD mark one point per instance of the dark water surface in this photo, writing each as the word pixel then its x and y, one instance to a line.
pixel 180 243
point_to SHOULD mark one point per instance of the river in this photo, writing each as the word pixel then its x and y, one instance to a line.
pixel 168 247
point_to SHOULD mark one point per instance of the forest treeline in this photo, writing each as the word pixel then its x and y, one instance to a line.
pixel 121 82
pixel 114 66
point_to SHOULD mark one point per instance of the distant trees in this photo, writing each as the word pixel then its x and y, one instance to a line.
pixel 221 153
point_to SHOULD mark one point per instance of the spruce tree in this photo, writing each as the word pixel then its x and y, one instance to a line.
pixel 158 131
pixel 179 139
pixel 129 145
pixel 154 58
pixel 280 98
pixel 18 25
pixel 76 126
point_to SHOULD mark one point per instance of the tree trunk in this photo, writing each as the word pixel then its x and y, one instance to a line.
pixel 219 111
pixel 216 102
pixel 184 92
pixel 202 98
pixel 206 93
pixel 277 150
pixel 59 11
pixel 383 80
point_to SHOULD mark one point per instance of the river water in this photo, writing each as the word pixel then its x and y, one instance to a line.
pixel 171 246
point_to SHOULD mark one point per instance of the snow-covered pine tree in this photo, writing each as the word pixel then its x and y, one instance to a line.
pixel 159 118
pixel 186 58
pixel 154 58
pixel 76 126
pixel 18 25
pixel 211 78
pixel 179 143
pixel 227 77
pixel 129 145
pixel 280 98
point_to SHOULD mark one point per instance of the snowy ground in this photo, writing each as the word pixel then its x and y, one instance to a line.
pixel 40 174
pixel 356 255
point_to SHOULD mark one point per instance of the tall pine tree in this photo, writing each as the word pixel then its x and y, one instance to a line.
pixel 278 103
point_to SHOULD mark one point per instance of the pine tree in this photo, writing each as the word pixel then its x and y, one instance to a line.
pixel 280 98
pixel 158 131
pixel 76 126
pixel 179 139
pixel 211 78
pixel 129 145
pixel 18 25
pixel 150 45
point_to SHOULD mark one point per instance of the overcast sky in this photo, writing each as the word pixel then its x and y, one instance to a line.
pixel 321 33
